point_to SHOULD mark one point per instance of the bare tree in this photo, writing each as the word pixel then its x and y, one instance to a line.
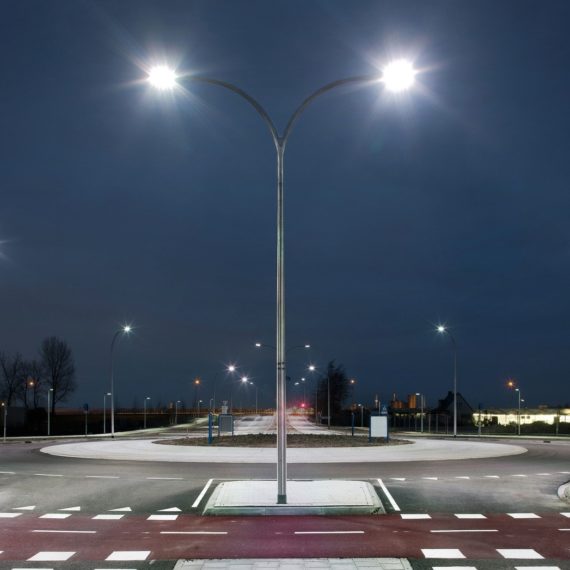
pixel 57 361
pixel 11 387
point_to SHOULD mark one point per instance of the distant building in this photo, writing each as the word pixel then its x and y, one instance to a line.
pixel 505 417
pixel 465 412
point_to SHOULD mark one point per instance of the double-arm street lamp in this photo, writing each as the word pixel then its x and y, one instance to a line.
pixel 398 76
pixel 442 329
pixel 125 330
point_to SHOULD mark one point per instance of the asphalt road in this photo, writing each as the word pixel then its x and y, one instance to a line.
pixel 429 496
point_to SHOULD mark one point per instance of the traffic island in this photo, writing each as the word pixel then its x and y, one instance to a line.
pixel 319 497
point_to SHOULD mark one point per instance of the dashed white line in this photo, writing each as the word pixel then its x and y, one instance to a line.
pixel 28 508
pixel 491 477
pixel 9 515
pixel 107 517
pixel 430 478
pixel 518 475
pixel 329 532
pixel 544 474
pixel 564 529
pixel 412 517
pixel 567 515
pixel 67 531
pixel 201 495
pixel 471 516
pixel 523 515
pixel 192 532
pixel 122 509
pixel 47 475
pixel 70 509
pixel 171 510
pixel 388 495
pixel 398 478
pixel 463 477
pixel 7 473
pixel 55 516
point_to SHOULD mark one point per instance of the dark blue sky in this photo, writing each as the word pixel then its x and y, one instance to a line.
pixel 450 203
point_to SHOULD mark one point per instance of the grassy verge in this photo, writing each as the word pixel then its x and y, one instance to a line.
pixel 293 440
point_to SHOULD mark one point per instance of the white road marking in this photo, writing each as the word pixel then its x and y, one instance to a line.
pixel 545 474
pixel 564 472
pixel 107 517
pixel 68 531
pixel 388 495
pixel 463 477
pixel 127 555
pixel 564 529
pixel 471 516
pixel 47 475
pixel 162 518
pixel 454 568
pixel 9 515
pixel 491 477
pixel 329 532
pixel 28 508
pixel 468 530
pixel 165 478
pixel 519 475
pixel 537 567
pixel 7 473
pixel 101 477
pixel 45 556
pixel 567 515
pixel 201 495
pixel 70 509
pixel 523 515
pixel 192 532
pixel 430 478
pixel 55 516
pixel 122 509
pixel 442 553
pixel 522 553
pixel 171 510
pixel 416 517
pixel 398 478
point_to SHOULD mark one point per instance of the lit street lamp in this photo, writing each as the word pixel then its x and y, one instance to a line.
pixel 126 329
pixel 49 399
pixel 176 412
pixel 421 411
pixel 144 413
pixel 442 329
pixel 105 411
pixel 397 76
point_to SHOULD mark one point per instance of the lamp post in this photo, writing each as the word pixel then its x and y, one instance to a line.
pixel 176 412
pixel 49 399
pixel 442 329
pixel 197 383
pixel 421 411
pixel 105 411
pixel 144 412
pixel 517 390
pixel 397 76
pixel 352 382
pixel 5 416
pixel 126 329
pixel 255 386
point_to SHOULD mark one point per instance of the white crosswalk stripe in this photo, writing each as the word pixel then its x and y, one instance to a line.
pixel 471 516
pixel 127 555
pixel 106 517
pixel 523 515
pixel 520 553
pixel 442 553
pixel 162 518
pixel 51 556
pixel 415 516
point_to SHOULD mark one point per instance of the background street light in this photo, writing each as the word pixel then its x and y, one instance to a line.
pixel 512 384
pixel 442 329
pixel 125 330
pixel 5 416
pixel 144 412
pixel 396 76
pixel 105 411
pixel 176 411
pixel 49 399
pixel 421 411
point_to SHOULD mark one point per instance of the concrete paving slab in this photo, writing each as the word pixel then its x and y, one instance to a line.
pixel 303 497
pixel 289 563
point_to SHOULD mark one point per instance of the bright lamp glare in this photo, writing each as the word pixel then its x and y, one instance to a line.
pixel 440 329
pixel 127 328
pixel 162 77
pixel 399 75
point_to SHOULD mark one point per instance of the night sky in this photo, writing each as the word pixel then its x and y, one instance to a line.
pixel 446 204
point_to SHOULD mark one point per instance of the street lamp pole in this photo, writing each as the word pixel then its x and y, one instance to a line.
pixel 398 76
pixel 49 398
pixel 144 413
pixel 444 330
pixel 5 415
pixel 421 411
pixel 517 390
pixel 176 412
pixel 123 330
pixel 105 411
